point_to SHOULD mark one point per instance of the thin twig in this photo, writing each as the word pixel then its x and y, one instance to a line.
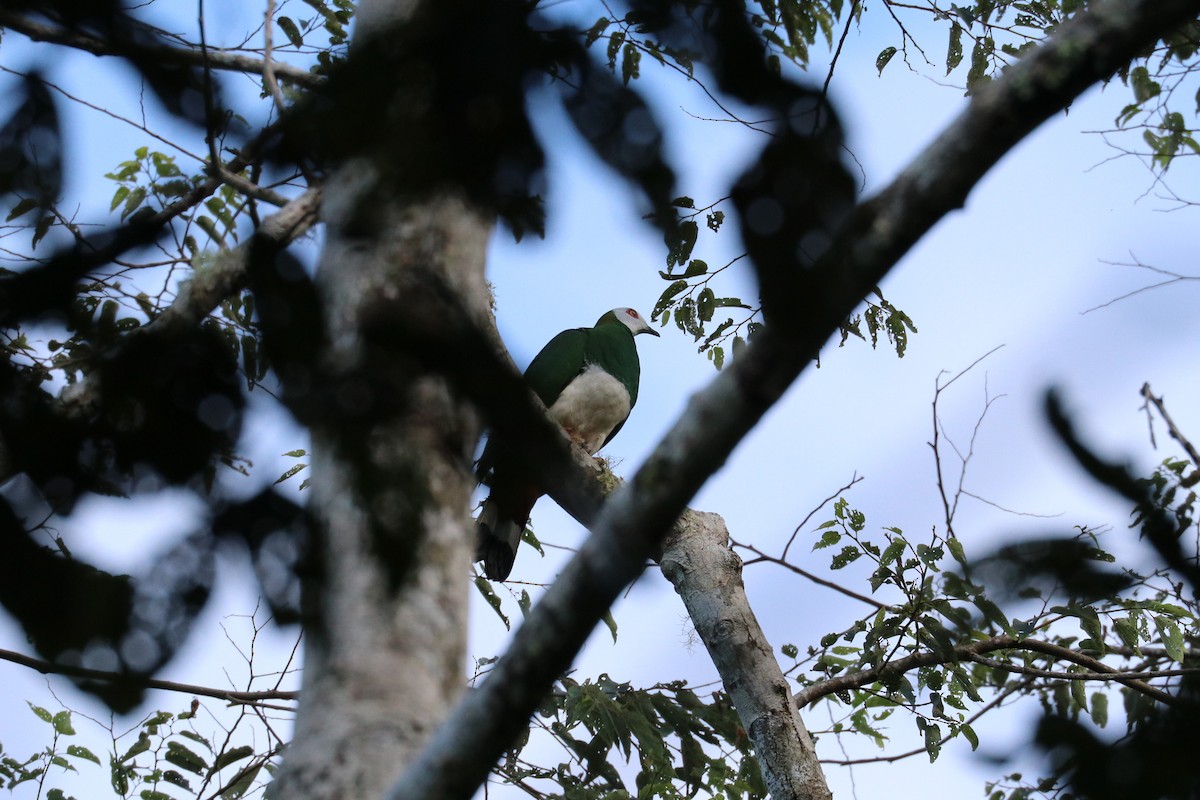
pixel 1172 429
pixel 48 668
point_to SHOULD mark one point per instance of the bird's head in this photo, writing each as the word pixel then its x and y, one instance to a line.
pixel 630 319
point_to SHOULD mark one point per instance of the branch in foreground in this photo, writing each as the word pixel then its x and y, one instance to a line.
pixel 41 32
pixel 636 518
pixel 233 696
pixel 205 291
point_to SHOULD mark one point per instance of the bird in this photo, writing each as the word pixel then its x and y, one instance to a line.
pixel 588 380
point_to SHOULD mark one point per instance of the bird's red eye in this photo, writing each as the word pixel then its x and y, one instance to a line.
pixel 632 313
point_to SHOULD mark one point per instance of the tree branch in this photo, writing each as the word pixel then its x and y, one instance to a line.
pixel 54 34
pixel 636 519
pixel 233 696
pixel 970 652
pixel 199 296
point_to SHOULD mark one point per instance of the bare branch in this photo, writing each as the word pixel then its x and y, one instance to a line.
pixel 41 32
pixel 1176 434
pixel 48 668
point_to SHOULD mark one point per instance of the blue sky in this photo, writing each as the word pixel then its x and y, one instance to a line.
pixel 1015 267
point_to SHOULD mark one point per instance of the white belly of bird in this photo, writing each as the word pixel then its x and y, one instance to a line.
pixel 590 407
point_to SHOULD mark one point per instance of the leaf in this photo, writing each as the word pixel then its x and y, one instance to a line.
pixel 598 28
pixel 42 714
pixel 77 751
pixel 1100 709
pixel 893 551
pixel 134 199
pixel 969 733
pixel 848 555
pixel 23 207
pixel 1172 638
pixel 184 758
pixel 232 756
pixel 612 625
pixel 489 594
pixel 705 304
pixel 62 723
pixel 41 229
pixel 954 52
pixel 956 550
pixel 290 472
pixel 829 538
pixel 630 63
pixel 243 783
pixel 993 613
pixel 291 31
pixel 883 58
pixel 683 201
pixel 981 55
pixel 614 46
pixel 140 746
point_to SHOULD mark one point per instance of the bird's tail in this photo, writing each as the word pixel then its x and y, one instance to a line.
pixel 496 540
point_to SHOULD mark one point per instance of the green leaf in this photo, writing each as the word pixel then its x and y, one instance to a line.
pixel 296 453
pixel 290 472
pixel 1100 708
pixel 848 555
pixel 242 785
pixel 612 625
pixel 42 714
pixel 683 201
pixel 705 304
pixel 62 723
pixel 140 746
pixel 594 32
pixel 232 756
pixel 828 539
pixel 993 613
pixel 1144 87
pixel 954 53
pixel 489 594
pixel 77 751
pixel 132 200
pixel 981 57
pixel 969 732
pixel 893 551
pixel 956 550
pixel 184 758
pixel 1172 638
pixel 631 60
pixel 883 58
pixel 614 46
pixel 291 31
pixel 1127 629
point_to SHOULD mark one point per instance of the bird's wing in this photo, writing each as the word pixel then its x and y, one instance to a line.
pixel 557 364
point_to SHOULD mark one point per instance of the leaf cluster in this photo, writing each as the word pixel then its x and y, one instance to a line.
pixel 162 757
pixel 675 742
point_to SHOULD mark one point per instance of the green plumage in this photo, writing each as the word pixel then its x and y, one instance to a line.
pixel 602 363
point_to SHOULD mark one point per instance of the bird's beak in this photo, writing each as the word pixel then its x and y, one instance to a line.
pixel 650 331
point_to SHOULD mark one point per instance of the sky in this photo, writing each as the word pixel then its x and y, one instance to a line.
pixel 1015 269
